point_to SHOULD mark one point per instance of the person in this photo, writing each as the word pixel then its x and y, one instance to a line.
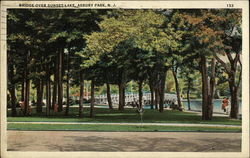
pixel 29 109
pixel 224 105
pixel 228 106
pixel 55 107
pixel 22 105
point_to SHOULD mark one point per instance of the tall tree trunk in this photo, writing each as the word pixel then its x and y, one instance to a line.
pixel 109 96
pixel 55 83
pixel 47 98
pixel 206 99
pixel 140 93
pixel 27 86
pixel 60 85
pixel 211 89
pixel 49 86
pixel 12 89
pixel 234 97
pixel 188 93
pixel 23 89
pixel 152 95
pixel 81 94
pixel 39 96
pixel 54 95
pixel 68 101
pixel 162 91
pixel 233 86
pixel 177 87
pixel 156 96
pixel 235 89
pixel 13 100
pixel 27 96
pixel 92 99
pixel 68 88
pixel 48 93
pixel 124 96
pixel 121 97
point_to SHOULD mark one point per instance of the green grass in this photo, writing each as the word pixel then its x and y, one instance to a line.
pixel 117 128
pixel 128 115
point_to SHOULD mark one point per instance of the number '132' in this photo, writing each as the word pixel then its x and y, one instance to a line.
pixel 230 5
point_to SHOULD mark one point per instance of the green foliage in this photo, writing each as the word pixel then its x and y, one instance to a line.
pixel 121 46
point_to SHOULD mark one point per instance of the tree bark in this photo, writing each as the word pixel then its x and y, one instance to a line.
pixel 188 93
pixel 140 93
pixel 156 97
pixel 12 89
pixel 54 95
pixel 48 92
pixel 211 89
pixel 27 95
pixel 121 97
pixel 13 101
pixel 60 86
pixel 162 91
pixel 177 87
pixel 68 88
pixel 47 98
pixel 27 86
pixel 204 88
pixel 109 96
pixel 55 83
pixel 124 96
pixel 152 95
pixel 92 99
pixel 39 96
pixel 234 97
pixel 233 86
pixel 81 94
pixel 49 86
pixel 207 91
pixel 23 89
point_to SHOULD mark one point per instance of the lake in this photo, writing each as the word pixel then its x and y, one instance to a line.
pixel 196 105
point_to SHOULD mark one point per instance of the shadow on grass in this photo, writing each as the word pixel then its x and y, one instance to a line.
pixel 128 115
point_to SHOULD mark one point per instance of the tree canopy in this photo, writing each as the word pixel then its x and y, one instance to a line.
pixel 64 48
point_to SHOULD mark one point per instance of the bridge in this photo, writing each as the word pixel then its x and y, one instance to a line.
pixel 132 97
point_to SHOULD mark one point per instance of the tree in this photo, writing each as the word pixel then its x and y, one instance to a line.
pixel 190 77
pixel 143 28
pixel 231 47
pixel 92 99
pixel 204 40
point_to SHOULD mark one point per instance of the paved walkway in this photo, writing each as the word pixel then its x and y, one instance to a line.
pixel 123 141
pixel 144 124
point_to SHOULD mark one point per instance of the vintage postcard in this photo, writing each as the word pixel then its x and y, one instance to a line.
pixel 124 79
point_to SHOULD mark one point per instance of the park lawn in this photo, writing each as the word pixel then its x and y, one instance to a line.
pixel 117 128
pixel 128 115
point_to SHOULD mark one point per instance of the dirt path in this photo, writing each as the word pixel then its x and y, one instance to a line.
pixel 123 141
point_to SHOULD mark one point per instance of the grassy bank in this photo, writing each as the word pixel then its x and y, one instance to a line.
pixel 128 115
pixel 116 128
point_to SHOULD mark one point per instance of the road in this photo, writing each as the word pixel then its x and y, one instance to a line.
pixel 123 141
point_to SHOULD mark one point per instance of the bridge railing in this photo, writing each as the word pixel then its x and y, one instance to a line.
pixel 131 97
